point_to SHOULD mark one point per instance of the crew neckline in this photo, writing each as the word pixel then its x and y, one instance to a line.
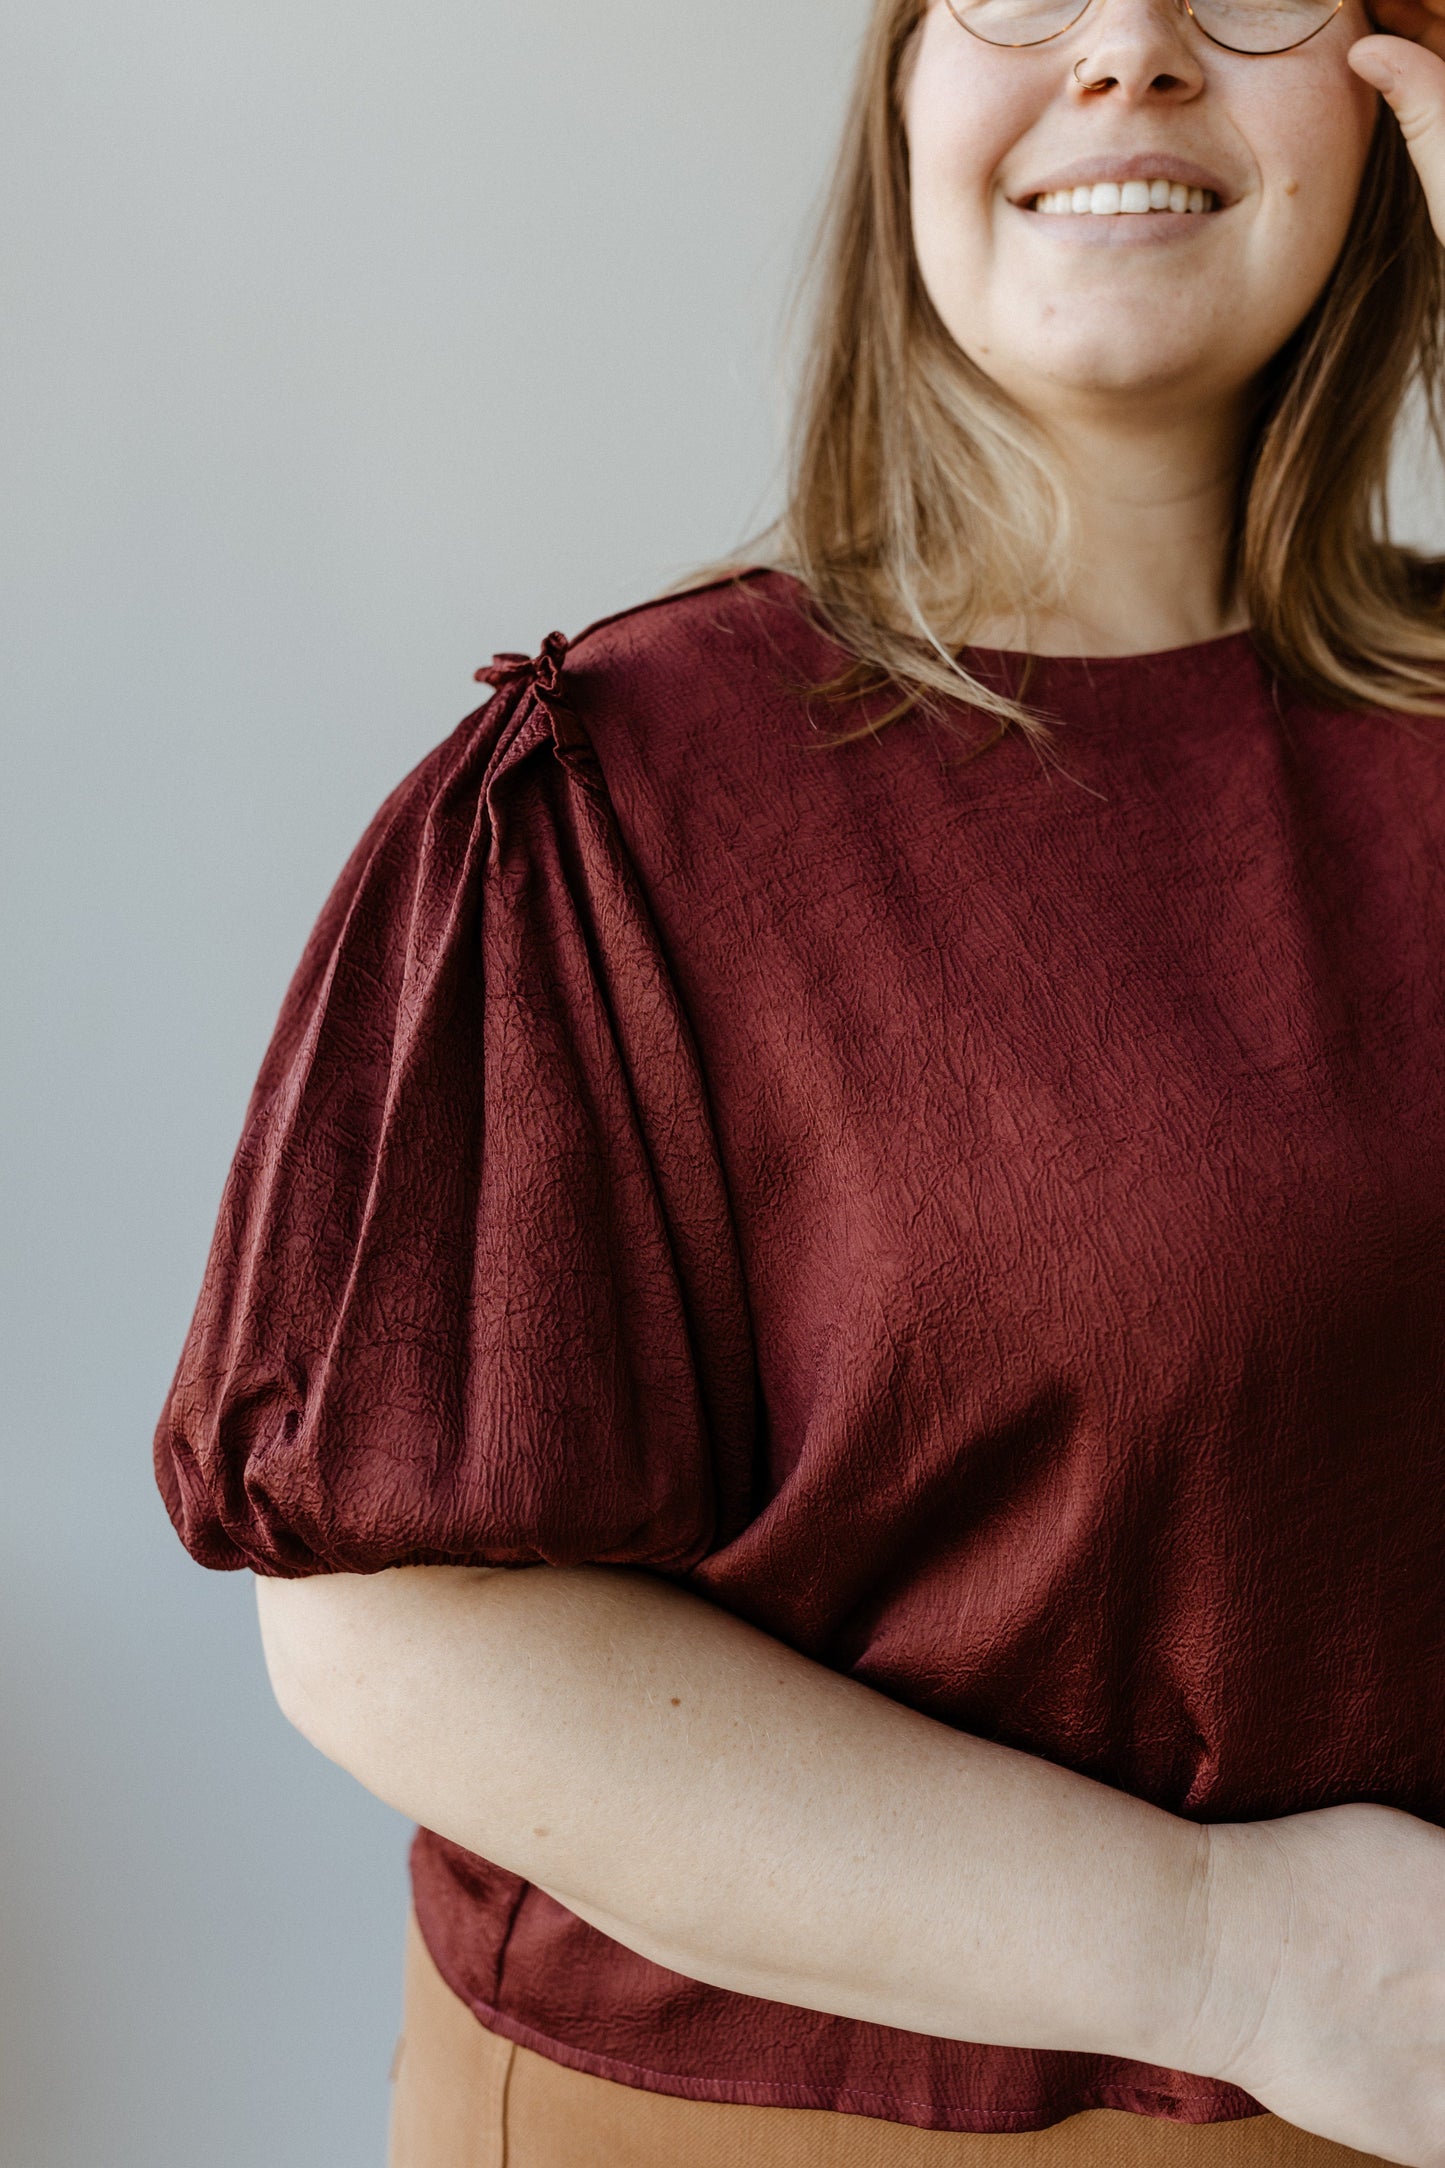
pixel 1219 642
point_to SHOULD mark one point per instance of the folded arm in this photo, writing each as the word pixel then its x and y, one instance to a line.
pixel 743 1815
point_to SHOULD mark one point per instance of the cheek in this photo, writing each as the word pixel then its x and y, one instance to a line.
pixel 959 135
pixel 1311 151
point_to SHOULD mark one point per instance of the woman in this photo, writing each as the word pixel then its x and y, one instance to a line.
pixel 878 1118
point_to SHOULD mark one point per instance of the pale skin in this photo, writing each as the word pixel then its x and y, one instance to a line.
pixel 692 1787
pixel 1135 350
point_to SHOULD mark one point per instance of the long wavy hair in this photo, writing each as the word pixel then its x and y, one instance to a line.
pixel 921 500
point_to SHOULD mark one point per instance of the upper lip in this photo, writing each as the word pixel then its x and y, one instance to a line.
pixel 1130 166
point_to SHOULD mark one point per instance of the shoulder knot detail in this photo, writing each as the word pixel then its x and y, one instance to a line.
pixel 544 669
pixel 542 674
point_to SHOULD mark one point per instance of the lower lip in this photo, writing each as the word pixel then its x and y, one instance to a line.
pixel 1118 229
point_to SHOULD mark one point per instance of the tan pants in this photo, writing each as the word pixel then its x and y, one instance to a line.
pixel 464 2097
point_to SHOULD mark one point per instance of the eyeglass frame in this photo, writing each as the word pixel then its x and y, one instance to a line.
pixel 1267 52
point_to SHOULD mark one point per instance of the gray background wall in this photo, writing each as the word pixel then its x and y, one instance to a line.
pixel 340 347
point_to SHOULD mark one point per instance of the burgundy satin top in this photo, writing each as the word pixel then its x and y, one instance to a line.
pixel 984 1223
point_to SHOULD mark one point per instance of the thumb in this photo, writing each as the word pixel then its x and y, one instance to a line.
pixel 1411 80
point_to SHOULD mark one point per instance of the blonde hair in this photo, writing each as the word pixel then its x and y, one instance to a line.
pixel 921 500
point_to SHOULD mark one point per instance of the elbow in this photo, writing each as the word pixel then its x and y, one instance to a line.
pixel 323 1637
pixel 329 1640
pixel 294 1625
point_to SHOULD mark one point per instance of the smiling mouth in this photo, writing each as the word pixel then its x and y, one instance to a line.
pixel 1111 199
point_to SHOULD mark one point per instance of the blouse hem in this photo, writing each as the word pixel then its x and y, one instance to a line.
pixel 1165 2105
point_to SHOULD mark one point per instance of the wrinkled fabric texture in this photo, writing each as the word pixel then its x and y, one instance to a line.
pixel 980 1220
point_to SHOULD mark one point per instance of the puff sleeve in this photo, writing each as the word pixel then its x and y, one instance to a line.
pixel 473 1295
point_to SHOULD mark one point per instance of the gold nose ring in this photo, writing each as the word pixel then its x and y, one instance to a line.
pixel 1084 86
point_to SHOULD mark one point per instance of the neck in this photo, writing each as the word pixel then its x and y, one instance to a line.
pixel 1154 503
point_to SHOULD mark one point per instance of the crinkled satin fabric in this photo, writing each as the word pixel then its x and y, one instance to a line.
pixel 981 1220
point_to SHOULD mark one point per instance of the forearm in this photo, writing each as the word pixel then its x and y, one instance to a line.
pixel 745 1816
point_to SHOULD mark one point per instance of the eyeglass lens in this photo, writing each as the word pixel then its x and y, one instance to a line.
pixel 1247 26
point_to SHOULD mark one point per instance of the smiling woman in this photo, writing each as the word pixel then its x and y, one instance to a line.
pixel 828 1349
pixel 1105 435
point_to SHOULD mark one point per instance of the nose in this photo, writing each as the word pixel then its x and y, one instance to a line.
pixel 1135 51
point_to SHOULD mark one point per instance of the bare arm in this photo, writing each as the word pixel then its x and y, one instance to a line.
pixel 747 1817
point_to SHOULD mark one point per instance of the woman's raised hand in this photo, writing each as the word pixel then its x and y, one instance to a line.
pixel 1332 1980
pixel 1406 64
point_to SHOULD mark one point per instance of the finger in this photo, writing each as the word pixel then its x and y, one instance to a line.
pixel 1411 80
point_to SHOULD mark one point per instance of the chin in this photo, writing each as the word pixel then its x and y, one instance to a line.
pixel 1120 357
pixel 1158 373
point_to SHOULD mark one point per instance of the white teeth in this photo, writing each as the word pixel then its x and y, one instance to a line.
pixel 1104 199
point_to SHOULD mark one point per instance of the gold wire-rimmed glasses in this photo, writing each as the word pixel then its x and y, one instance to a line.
pixel 1240 26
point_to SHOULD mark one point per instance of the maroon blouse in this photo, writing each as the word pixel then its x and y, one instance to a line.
pixel 983 1223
